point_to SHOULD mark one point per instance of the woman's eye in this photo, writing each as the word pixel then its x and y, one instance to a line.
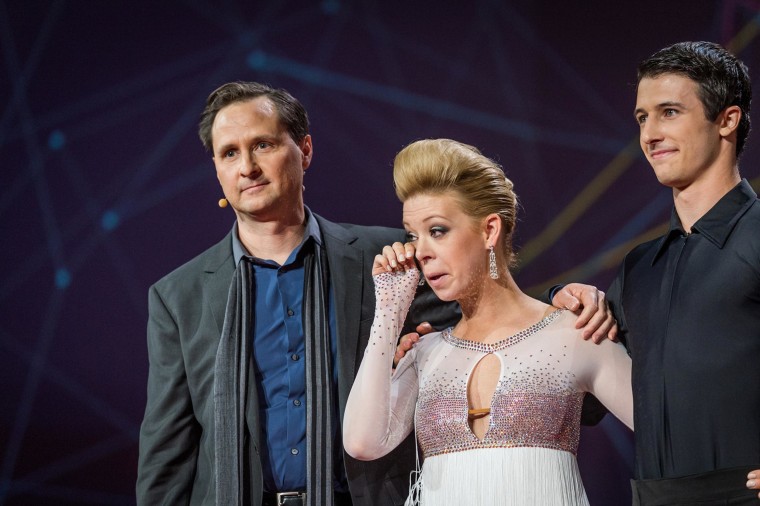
pixel 437 231
pixel 410 237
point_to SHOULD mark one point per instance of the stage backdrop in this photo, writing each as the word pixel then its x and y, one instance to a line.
pixel 105 187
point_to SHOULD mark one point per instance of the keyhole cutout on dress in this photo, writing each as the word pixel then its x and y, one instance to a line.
pixel 480 390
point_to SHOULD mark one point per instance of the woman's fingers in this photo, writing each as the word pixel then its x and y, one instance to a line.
pixel 394 257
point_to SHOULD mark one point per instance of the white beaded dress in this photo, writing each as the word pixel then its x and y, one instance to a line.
pixel 527 455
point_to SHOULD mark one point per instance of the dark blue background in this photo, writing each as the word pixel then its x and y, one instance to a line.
pixel 104 186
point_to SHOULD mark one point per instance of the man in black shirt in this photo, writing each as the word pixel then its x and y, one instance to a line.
pixel 688 303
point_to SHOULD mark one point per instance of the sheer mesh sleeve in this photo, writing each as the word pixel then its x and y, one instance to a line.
pixel 380 408
pixel 605 370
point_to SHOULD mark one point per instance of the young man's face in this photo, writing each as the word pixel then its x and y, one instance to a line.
pixel 681 144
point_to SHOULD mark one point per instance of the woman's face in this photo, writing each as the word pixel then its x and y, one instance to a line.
pixel 450 248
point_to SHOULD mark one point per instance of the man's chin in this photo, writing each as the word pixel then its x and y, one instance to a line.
pixel 665 178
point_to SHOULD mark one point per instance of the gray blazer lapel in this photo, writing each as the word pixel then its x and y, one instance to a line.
pixel 346 282
pixel 219 268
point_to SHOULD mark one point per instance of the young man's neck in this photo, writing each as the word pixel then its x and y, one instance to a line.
pixel 697 199
pixel 272 239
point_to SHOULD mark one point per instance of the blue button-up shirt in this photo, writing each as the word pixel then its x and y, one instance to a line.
pixel 279 358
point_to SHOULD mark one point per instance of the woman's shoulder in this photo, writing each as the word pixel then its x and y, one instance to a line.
pixel 432 339
pixel 566 333
pixel 421 348
pixel 428 343
pixel 560 324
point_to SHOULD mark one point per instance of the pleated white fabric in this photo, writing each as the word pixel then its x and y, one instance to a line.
pixel 502 477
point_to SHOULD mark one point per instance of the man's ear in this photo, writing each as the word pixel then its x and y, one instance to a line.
pixel 729 120
pixel 307 150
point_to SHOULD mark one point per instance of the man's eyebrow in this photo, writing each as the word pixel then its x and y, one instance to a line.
pixel 224 147
pixel 253 140
pixel 661 105
pixel 670 103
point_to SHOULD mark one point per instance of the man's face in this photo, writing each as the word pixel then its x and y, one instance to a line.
pixel 258 164
pixel 676 137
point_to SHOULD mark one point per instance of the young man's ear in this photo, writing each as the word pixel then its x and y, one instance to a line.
pixel 729 120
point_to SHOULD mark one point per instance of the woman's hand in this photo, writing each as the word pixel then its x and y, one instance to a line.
pixel 396 257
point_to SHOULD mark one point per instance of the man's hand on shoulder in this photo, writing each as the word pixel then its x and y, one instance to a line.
pixel 753 481
pixel 590 304
pixel 407 341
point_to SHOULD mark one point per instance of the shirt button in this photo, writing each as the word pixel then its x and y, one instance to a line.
pixel 291 312
pixel 296 402
pixel 295 356
pixel 294 451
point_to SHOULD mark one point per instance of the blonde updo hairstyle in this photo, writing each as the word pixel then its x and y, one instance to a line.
pixel 437 166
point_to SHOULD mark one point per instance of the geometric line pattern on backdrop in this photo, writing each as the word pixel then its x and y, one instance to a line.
pixel 79 215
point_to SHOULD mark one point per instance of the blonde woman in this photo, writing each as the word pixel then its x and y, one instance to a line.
pixel 496 399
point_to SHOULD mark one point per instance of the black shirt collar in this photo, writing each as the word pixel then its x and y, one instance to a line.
pixel 717 223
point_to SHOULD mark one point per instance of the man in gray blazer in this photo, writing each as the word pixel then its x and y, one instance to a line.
pixel 250 293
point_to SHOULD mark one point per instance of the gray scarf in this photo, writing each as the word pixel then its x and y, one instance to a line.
pixel 231 382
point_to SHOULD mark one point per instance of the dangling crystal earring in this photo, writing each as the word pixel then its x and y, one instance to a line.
pixel 493 271
pixel 421 281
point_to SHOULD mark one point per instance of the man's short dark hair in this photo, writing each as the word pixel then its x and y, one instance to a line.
pixel 291 112
pixel 722 78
